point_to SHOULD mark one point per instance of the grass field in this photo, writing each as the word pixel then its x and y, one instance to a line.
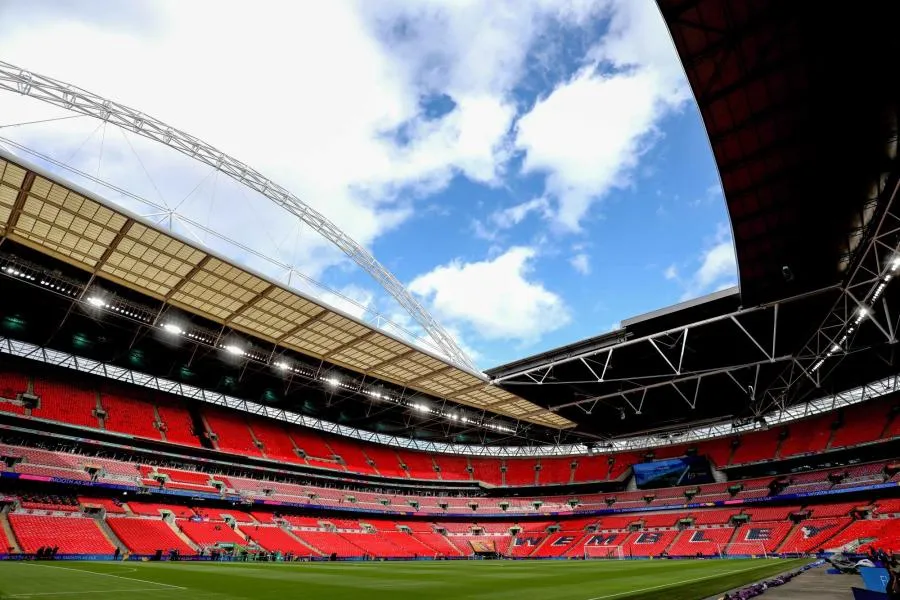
pixel 591 580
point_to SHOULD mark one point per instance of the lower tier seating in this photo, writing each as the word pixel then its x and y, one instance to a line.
pixel 210 533
pixel 146 536
pixel 73 535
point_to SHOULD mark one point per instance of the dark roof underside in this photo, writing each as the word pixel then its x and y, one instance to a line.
pixel 800 103
pixel 799 100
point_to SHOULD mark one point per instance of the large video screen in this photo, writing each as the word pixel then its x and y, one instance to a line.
pixel 672 472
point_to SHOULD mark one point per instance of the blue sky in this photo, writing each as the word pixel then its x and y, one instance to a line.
pixel 534 171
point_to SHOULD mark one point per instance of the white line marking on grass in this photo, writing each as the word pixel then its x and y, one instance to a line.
pixel 168 585
pixel 671 583
pixel 85 592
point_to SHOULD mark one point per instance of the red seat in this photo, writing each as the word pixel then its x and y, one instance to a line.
pixel 146 536
pixel 73 535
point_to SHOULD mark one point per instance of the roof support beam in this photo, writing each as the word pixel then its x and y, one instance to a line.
pixel 249 303
pixel 434 373
pixel 300 327
pixel 391 361
pixel 654 336
pixel 369 334
pixel 19 204
pixel 113 246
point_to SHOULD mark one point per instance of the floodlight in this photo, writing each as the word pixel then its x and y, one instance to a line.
pixel 173 329
pixel 232 349
pixel 282 365
pixel 333 381
pixel 96 301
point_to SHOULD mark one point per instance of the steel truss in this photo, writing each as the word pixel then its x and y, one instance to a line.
pixel 72 98
pixel 85 365
pixel 670 346
pixel 863 303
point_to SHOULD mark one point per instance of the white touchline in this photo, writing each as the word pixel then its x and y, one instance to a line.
pixel 656 587
pixel 168 585
pixel 85 592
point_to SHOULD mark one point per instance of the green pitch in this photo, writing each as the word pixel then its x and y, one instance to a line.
pixel 488 580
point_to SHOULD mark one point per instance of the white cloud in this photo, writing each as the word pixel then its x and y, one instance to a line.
pixel 513 215
pixel 589 134
pixel 714 270
pixel 494 299
pixel 311 94
pixel 581 262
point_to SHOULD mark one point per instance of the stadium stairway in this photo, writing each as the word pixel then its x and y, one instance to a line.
pixel 290 533
pixel 181 535
pixel 9 536
pixel 157 420
pixel 108 533
pixel 788 537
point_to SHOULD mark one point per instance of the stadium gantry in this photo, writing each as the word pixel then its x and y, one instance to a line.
pixel 144 376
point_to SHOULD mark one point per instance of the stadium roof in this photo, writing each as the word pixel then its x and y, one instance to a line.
pixel 799 102
pixel 804 133
pixel 48 214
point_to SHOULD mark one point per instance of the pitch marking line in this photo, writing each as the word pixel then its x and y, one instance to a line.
pixel 168 585
pixel 85 592
pixel 671 583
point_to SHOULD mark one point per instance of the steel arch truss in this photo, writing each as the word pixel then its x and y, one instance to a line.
pixel 69 97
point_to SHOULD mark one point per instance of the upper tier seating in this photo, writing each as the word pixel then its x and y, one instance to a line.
pixel 806 437
pixel 861 426
pixel 351 452
pixel 487 470
pixel 419 464
pixel 146 536
pixel 453 468
pixel 718 451
pixel 757 446
pixel 555 471
pixel 73 535
pixel 177 424
pixel 386 462
pixel 135 412
pixel 232 431
pixel 127 415
pixel 591 468
pixel 111 506
pixel 66 402
pixel 276 442
pixel 11 385
pixel 518 471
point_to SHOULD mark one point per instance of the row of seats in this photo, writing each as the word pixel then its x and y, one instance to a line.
pixel 75 534
pixel 158 416
pixel 78 467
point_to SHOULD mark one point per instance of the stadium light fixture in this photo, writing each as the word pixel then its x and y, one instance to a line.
pixel 332 381
pixel 96 301
pixel 232 349
pixel 172 328
pixel 282 366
